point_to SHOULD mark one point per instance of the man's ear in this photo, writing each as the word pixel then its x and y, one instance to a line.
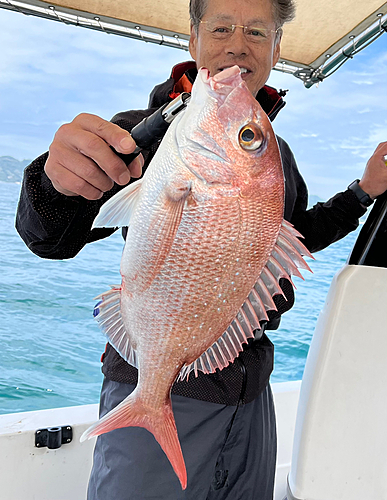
pixel 193 41
pixel 277 48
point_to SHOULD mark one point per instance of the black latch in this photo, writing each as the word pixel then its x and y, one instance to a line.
pixel 53 437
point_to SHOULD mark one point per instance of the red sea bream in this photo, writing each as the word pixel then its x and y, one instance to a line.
pixel 205 248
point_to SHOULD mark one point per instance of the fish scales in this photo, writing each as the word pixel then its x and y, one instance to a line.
pixel 187 300
pixel 202 224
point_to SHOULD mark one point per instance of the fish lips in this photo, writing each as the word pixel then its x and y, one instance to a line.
pixel 235 99
pixel 222 84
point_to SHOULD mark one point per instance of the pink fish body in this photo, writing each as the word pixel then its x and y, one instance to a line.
pixel 203 223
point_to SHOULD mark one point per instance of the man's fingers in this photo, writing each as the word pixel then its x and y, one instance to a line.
pixel 65 160
pixel 381 152
pixel 91 146
pixel 94 147
pixel 135 167
pixel 111 133
pixel 68 183
pixel 81 153
pixel 381 147
pixel 374 180
pixel 94 138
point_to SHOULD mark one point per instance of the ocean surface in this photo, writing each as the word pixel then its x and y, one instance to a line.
pixel 50 345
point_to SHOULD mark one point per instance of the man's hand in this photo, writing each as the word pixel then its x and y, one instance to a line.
pixel 81 162
pixel 374 180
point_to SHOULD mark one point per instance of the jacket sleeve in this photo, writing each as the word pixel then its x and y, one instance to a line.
pixel 52 225
pixel 324 223
pixel 55 226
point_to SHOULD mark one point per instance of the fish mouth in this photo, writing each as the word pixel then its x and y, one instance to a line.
pixel 222 84
pixel 243 69
pixel 225 75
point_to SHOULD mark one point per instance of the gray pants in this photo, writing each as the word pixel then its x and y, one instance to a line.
pixel 229 451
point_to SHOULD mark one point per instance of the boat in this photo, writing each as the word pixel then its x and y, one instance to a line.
pixel 331 425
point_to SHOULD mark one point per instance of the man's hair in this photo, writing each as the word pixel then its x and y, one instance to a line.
pixel 284 11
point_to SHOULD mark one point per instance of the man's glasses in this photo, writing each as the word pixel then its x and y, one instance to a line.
pixel 222 31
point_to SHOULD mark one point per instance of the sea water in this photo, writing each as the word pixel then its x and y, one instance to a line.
pixel 50 345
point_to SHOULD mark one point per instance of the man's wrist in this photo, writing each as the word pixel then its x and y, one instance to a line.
pixel 364 198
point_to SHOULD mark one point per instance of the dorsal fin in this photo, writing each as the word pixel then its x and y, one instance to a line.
pixel 286 258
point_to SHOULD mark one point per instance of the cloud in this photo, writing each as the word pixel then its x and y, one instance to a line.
pixel 363 82
pixel 308 134
pixel 364 146
pixel 378 134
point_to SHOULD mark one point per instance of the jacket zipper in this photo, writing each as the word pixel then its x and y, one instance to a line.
pixel 243 369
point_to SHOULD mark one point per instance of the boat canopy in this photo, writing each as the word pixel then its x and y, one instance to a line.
pixel 321 38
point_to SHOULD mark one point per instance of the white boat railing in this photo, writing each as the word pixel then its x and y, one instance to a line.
pixel 31 473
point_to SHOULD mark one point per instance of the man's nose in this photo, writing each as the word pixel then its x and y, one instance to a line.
pixel 237 43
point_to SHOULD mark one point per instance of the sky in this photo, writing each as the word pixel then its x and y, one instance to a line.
pixel 50 72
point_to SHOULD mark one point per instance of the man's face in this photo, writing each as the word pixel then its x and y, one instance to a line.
pixel 217 53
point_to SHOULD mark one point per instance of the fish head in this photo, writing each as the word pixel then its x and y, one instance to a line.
pixel 225 136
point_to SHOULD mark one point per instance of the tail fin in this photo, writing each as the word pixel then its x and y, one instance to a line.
pixel 131 412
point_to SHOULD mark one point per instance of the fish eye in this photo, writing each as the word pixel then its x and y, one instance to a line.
pixel 250 137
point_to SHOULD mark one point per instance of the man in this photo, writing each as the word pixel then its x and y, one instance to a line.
pixel 226 420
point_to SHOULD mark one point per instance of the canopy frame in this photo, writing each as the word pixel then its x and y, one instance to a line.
pixel 314 73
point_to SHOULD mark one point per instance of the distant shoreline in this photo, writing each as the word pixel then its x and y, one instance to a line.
pixel 11 169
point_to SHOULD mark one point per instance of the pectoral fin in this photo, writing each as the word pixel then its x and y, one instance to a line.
pixel 164 226
pixel 117 211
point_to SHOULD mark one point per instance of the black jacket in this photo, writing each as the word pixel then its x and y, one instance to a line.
pixel 57 227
